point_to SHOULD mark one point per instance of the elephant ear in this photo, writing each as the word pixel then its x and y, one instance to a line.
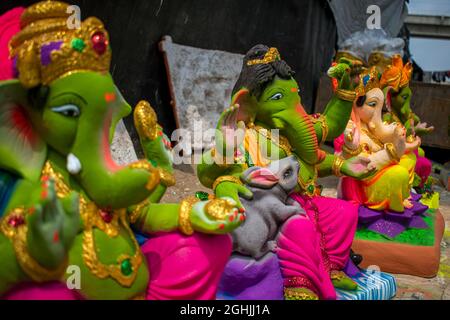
pixel 22 151
pixel 388 98
pixel 246 104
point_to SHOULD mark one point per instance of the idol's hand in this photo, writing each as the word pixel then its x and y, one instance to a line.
pixel 52 226
pixel 217 216
pixel 352 137
pixel 233 191
pixel 155 144
pixel 230 132
pixel 357 167
pixel 422 128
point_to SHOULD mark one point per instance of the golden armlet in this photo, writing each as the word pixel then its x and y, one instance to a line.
pixel 184 222
pixel 346 95
pixel 391 151
pixel 338 162
pixel 224 179
pixel 17 233
pixel 352 152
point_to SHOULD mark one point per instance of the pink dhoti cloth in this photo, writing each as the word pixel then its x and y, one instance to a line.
pixel 180 267
pixel 311 246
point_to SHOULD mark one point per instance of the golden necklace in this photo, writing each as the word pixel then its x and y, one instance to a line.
pixel 373 137
pixel 127 267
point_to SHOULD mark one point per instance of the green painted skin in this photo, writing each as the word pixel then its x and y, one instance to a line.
pixel 401 110
pixel 287 115
pixel 86 134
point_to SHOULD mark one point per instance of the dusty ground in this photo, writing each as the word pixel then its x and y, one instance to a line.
pixel 409 287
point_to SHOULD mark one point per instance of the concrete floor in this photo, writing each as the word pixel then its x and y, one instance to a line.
pixel 409 287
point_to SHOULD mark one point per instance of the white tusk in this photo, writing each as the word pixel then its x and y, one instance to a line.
pixel 73 164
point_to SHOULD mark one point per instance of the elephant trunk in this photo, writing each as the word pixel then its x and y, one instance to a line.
pixel 106 183
pixel 298 128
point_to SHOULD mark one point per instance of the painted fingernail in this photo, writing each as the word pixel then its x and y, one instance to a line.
pixel 44 194
pixel 242 218
pixel 45 178
pixel 231 218
pixel 241 210
pixel 221 226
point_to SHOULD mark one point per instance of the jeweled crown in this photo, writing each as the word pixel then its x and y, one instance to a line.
pixel 367 82
pixel 397 75
pixel 271 55
pixel 47 49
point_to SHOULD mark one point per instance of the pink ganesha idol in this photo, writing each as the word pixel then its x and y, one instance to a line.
pixel 386 204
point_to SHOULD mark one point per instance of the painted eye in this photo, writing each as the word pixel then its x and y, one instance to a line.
pixel 287 173
pixel 68 110
pixel 405 97
pixel 371 104
pixel 276 96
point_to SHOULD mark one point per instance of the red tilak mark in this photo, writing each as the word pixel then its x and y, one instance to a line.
pixel 221 226
pixel 294 90
pixel 110 96
pixel 56 237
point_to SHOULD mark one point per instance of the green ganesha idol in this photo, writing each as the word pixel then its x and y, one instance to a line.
pixel 396 78
pixel 65 202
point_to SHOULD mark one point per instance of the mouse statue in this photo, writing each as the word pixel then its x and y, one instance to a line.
pixel 270 207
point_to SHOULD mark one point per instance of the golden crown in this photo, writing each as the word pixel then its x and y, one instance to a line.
pixel 47 49
pixel 271 55
pixel 367 82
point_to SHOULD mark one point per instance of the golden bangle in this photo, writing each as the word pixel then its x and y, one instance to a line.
pixel 346 95
pixel 184 222
pixel 166 178
pixel 391 151
pixel 18 236
pixel 323 124
pixel 137 211
pixel 224 179
pixel 410 139
pixel 352 152
pixel 338 162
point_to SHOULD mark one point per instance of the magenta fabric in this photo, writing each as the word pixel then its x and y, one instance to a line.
pixel 180 267
pixel 9 26
pixel 310 247
pixel 187 268
pixel 338 143
pixel 423 168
